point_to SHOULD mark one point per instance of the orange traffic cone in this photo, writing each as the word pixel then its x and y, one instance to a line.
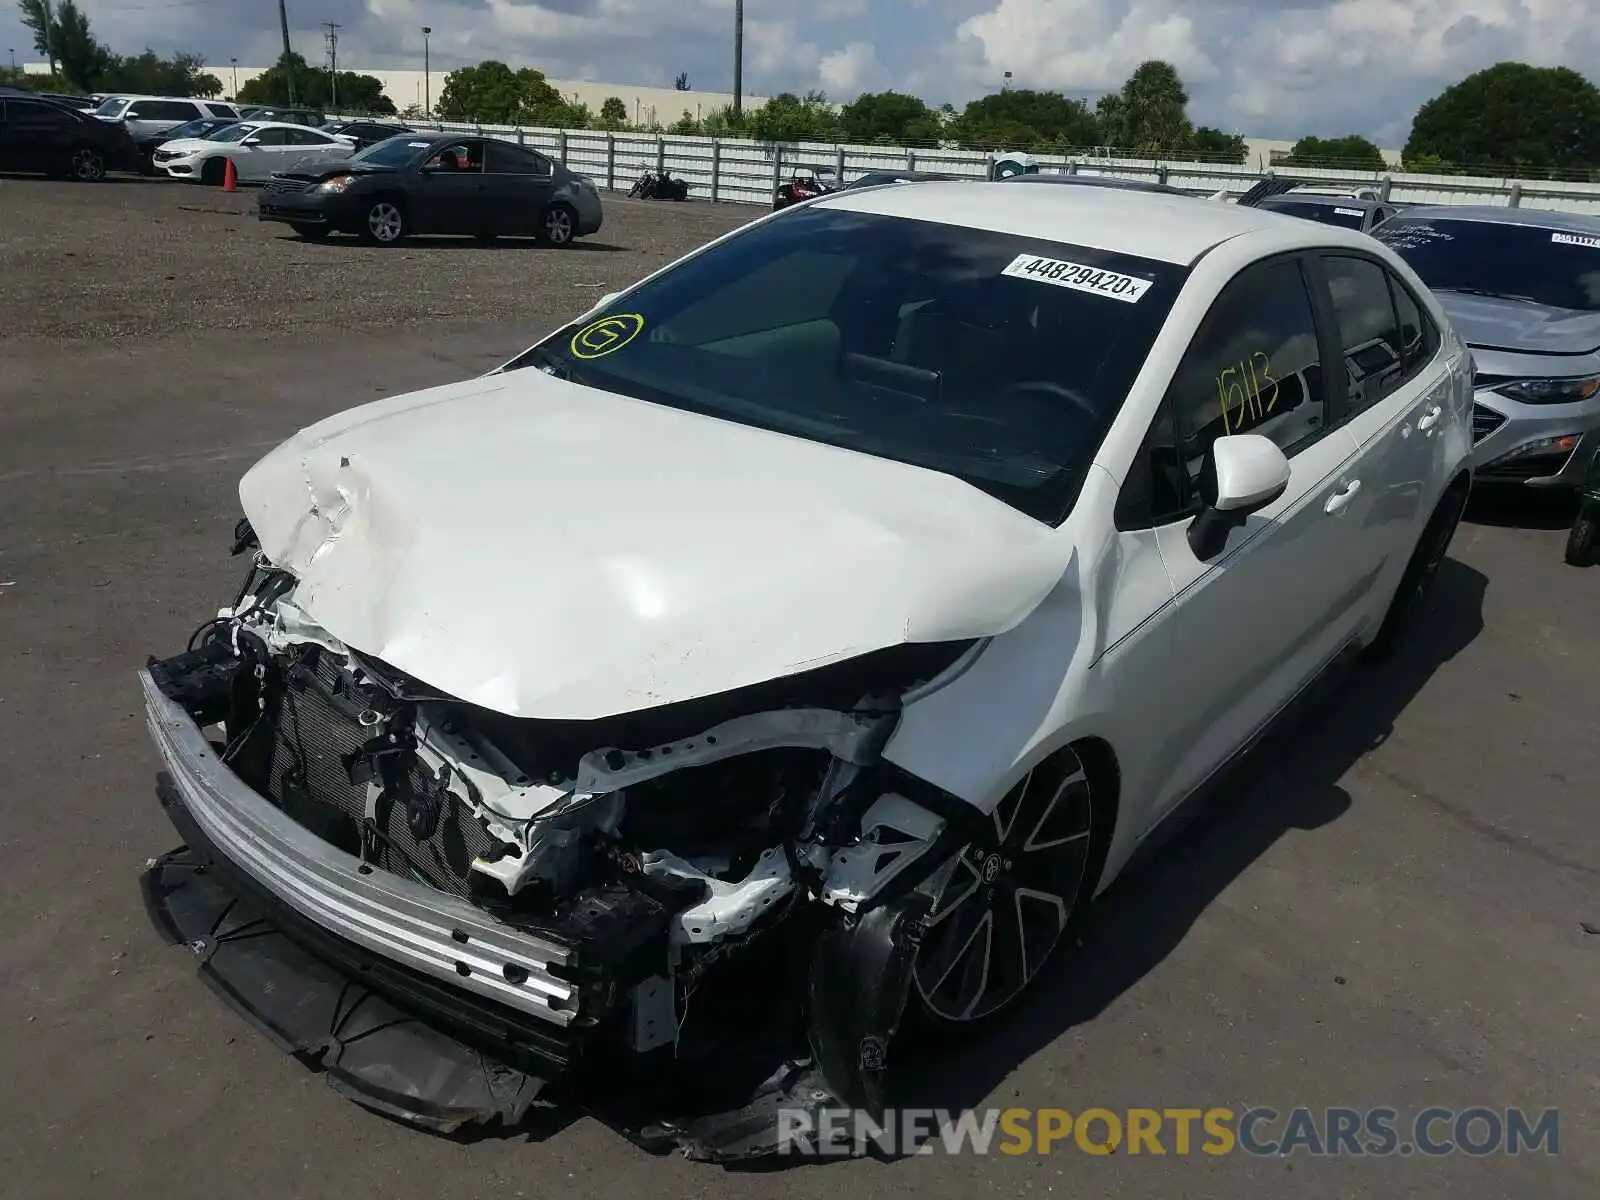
pixel 230 179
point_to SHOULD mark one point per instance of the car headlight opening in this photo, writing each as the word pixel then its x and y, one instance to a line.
pixel 1552 391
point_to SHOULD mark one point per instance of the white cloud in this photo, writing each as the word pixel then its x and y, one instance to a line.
pixel 848 72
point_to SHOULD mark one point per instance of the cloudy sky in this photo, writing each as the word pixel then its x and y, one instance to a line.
pixel 1266 68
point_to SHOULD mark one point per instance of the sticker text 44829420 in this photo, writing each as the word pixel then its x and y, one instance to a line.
pixel 1058 271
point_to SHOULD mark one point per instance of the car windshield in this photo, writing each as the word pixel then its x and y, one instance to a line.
pixel 112 107
pixel 1555 267
pixel 233 133
pixel 392 152
pixel 1329 214
pixel 998 359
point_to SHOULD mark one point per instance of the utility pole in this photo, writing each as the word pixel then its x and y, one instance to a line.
pixel 738 58
pixel 283 24
pixel 49 35
pixel 333 28
pixel 427 110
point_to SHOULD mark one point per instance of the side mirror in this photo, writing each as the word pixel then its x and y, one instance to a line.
pixel 251 141
pixel 1250 473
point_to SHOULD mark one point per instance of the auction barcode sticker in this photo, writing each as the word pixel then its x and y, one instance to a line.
pixel 1576 239
pixel 1349 212
pixel 1079 278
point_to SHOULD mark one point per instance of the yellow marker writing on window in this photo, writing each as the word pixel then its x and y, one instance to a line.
pixel 1241 393
pixel 606 336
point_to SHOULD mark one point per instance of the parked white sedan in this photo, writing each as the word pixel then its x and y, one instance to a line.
pixel 257 148
pixel 870 583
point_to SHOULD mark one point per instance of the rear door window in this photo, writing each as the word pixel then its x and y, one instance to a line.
pixel 1369 329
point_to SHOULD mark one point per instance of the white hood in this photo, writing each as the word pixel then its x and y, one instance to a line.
pixel 187 146
pixel 544 549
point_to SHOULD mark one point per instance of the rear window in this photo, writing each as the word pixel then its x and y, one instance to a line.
pixel 1349 216
pixel 998 359
pixel 1559 268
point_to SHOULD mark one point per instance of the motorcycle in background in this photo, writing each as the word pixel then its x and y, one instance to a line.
pixel 1583 543
pixel 659 186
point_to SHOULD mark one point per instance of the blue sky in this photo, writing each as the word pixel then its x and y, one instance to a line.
pixel 1266 68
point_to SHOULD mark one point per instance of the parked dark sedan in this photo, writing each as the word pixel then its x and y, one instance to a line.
pixel 365 133
pixel 480 186
pixel 41 135
pixel 151 142
pixel 879 178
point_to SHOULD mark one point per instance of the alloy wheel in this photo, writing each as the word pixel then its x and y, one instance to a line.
pixel 385 222
pixel 87 165
pixel 1009 897
pixel 558 227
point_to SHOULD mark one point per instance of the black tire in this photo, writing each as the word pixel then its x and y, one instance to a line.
pixel 1008 900
pixel 560 226
pixel 86 165
pixel 1584 539
pixel 384 223
pixel 214 172
pixel 1419 574
pixel 312 233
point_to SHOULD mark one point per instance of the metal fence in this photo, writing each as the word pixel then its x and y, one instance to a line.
pixel 743 171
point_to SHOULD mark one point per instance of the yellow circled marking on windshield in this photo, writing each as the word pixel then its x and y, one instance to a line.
pixel 606 336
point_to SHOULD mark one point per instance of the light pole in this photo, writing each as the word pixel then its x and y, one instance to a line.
pixel 427 99
pixel 235 63
pixel 738 58
pixel 13 58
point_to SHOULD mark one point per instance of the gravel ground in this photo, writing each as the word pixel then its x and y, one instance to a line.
pixel 1394 905
pixel 138 259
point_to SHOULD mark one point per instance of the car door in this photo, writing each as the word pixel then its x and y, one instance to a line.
pixel 36 136
pixel 519 185
pixel 1396 386
pixel 306 143
pixel 449 197
pixel 1255 622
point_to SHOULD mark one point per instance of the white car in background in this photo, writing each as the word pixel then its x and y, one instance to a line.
pixel 257 148
pixel 819 624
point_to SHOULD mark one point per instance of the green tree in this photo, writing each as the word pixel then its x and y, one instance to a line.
pixel 890 119
pixel 1212 145
pixel 494 94
pixel 1515 118
pixel 1025 120
pixel 180 75
pixel 790 118
pixel 681 83
pixel 687 125
pixel 724 122
pixel 1149 116
pixel 613 113
pixel 64 37
pixel 1352 151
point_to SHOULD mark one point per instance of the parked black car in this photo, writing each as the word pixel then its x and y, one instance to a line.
pixel 481 186
pixel 150 142
pixel 40 135
pixel 1354 211
pixel 364 133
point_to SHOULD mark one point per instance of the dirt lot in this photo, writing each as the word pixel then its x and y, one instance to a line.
pixel 1396 905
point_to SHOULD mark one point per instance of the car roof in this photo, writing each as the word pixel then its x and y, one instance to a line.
pixel 1538 218
pixel 1168 228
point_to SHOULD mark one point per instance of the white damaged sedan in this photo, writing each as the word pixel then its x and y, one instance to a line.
pixel 791 648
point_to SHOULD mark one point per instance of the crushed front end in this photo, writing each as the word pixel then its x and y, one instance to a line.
pixel 679 919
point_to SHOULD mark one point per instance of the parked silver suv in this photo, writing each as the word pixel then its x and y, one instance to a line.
pixel 146 116
pixel 1522 288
